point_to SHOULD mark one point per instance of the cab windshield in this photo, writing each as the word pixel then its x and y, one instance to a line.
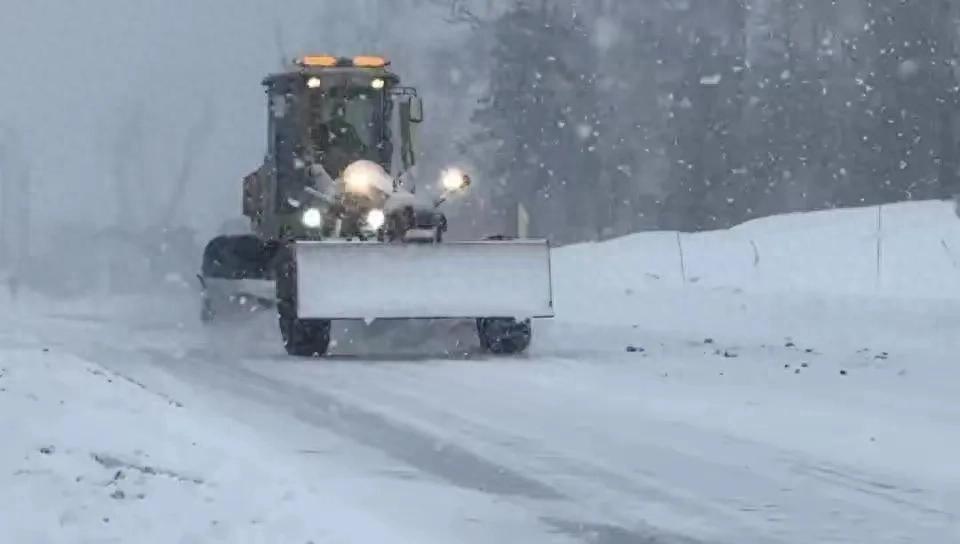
pixel 345 125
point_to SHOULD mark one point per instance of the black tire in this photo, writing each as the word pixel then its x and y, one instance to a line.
pixel 301 337
pixel 233 258
pixel 504 336
pixel 238 257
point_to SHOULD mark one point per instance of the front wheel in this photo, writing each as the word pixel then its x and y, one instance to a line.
pixel 305 337
pixel 301 337
pixel 504 336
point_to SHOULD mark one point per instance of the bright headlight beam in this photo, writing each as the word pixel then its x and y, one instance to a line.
pixel 312 218
pixel 375 218
pixel 357 181
pixel 452 179
pixel 378 83
pixel 363 176
pixel 314 83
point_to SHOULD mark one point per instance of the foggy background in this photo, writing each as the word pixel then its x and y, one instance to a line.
pixel 126 126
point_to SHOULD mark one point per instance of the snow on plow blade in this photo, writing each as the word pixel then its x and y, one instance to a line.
pixel 343 280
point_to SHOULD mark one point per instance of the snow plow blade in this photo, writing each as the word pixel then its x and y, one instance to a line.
pixel 346 280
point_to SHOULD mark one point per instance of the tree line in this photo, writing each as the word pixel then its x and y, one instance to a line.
pixel 609 117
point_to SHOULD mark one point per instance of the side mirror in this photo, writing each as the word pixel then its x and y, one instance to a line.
pixel 416 109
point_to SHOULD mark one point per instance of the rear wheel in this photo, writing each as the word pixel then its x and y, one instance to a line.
pixel 301 337
pixel 504 336
pixel 243 257
pixel 238 258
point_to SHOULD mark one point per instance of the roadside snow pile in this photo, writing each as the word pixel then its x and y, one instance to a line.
pixel 89 455
pixel 812 277
pixel 909 250
pixel 786 333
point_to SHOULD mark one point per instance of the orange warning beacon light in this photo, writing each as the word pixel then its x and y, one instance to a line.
pixel 324 61
pixel 370 61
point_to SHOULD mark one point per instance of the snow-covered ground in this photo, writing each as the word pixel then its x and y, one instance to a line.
pixel 92 456
pixel 782 384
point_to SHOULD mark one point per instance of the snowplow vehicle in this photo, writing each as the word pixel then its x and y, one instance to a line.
pixel 339 231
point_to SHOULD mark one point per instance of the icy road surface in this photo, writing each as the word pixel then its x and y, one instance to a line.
pixel 715 410
pixel 173 434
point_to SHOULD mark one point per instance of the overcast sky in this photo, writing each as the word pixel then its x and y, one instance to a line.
pixel 74 72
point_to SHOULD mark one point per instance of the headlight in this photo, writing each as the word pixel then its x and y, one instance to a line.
pixel 314 83
pixel 454 179
pixel 378 84
pixel 375 219
pixel 312 218
pixel 363 175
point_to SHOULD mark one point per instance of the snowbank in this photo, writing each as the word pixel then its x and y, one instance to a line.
pixel 905 250
pixel 813 276
pixel 786 331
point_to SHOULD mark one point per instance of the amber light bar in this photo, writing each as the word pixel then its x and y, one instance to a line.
pixel 330 61
pixel 326 61
pixel 369 61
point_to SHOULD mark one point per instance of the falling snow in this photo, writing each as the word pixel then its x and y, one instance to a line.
pixel 711 79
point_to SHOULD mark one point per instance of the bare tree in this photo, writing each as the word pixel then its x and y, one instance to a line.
pixel 193 148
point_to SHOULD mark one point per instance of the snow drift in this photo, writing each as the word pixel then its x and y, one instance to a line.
pixel 903 250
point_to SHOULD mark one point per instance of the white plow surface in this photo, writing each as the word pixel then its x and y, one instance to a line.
pixel 337 280
pixel 648 412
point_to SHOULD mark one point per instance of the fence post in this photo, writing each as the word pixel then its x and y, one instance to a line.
pixel 683 265
pixel 879 245
pixel 756 254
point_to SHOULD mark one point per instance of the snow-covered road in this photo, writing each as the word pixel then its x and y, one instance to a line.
pixel 649 411
pixel 737 435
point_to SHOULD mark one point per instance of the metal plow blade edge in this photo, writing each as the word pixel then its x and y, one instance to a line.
pixel 347 280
